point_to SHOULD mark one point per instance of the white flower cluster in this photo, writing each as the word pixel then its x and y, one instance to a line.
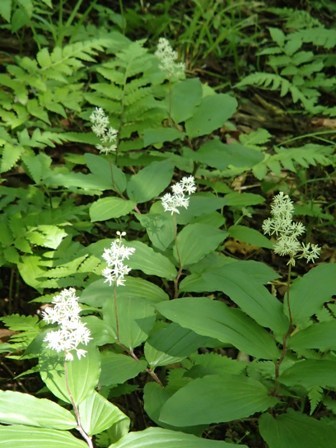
pixel 287 232
pixel 114 256
pixel 180 197
pixel 72 332
pixel 167 57
pixel 106 134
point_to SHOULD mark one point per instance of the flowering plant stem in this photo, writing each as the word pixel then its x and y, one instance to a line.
pixel 115 305
pixel 80 428
pixel 179 273
pixel 286 335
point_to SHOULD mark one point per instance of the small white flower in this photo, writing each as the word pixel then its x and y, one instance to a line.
pixel 287 231
pixel 180 197
pixel 114 256
pixel 107 135
pixel 167 57
pixel 72 332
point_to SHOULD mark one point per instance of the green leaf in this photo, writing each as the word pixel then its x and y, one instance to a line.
pixel 172 344
pixel 97 414
pixel 215 399
pixel 219 155
pixel 108 208
pixel 161 135
pixel 10 155
pixel 250 236
pixel 83 375
pixel 211 114
pixel 195 241
pixel 216 320
pixel 150 262
pixel 150 181
pixel 20 436
pixel 243 199
pixel 309 373
pixel 320 336
pixel 165 438
pixel 24 409
pixel 99 292
pixel 246 291
pixel 6 9
pixel 135 318
pixel 309 293
pixel 117 368
pixel 160 228
pixel 106 172
pixel 38 166
pixel 296 430
pixel 184 97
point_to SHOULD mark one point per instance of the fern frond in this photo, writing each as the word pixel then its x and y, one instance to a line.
pixel 271 81
pixel 290 158
pixel 128 94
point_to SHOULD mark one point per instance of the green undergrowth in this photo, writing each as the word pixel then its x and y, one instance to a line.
pixel 213 340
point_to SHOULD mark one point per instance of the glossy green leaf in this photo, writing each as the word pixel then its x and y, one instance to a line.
pixel 309 373
pixel 150 181
pixel 108 208
pixel 295 430
pixel 195 241
pixel 83 374
pixel 24 409
pixel 172 344
pixel 320 336
pixel 97 414
pixel 183 99
pixel 211 114
pixel 20 436
pixel 117 368
pixel 216 399
pixel 135 317
pixel 150 262
pixel 216 320
pixel 309 293
pixel 165 438
pixel 250 236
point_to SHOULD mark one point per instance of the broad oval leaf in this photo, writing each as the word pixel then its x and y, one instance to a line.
pixel 215 399
pixel 319 336
pixel 20 436
pixel 24 409
pixel 195 241
pixel 185 96
pixel 108 208
pixel 150 262
pixel 135 320
pixel 309 373
pixel 216 320
pixel 106 172
pixel 309 293
pixel 150 181
pixel 165 438
pixel 172 344
pixel 211 114
pixel 99 292
pixel 83 374
pixel 117 368
pixel 97 414
pixel 295 430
